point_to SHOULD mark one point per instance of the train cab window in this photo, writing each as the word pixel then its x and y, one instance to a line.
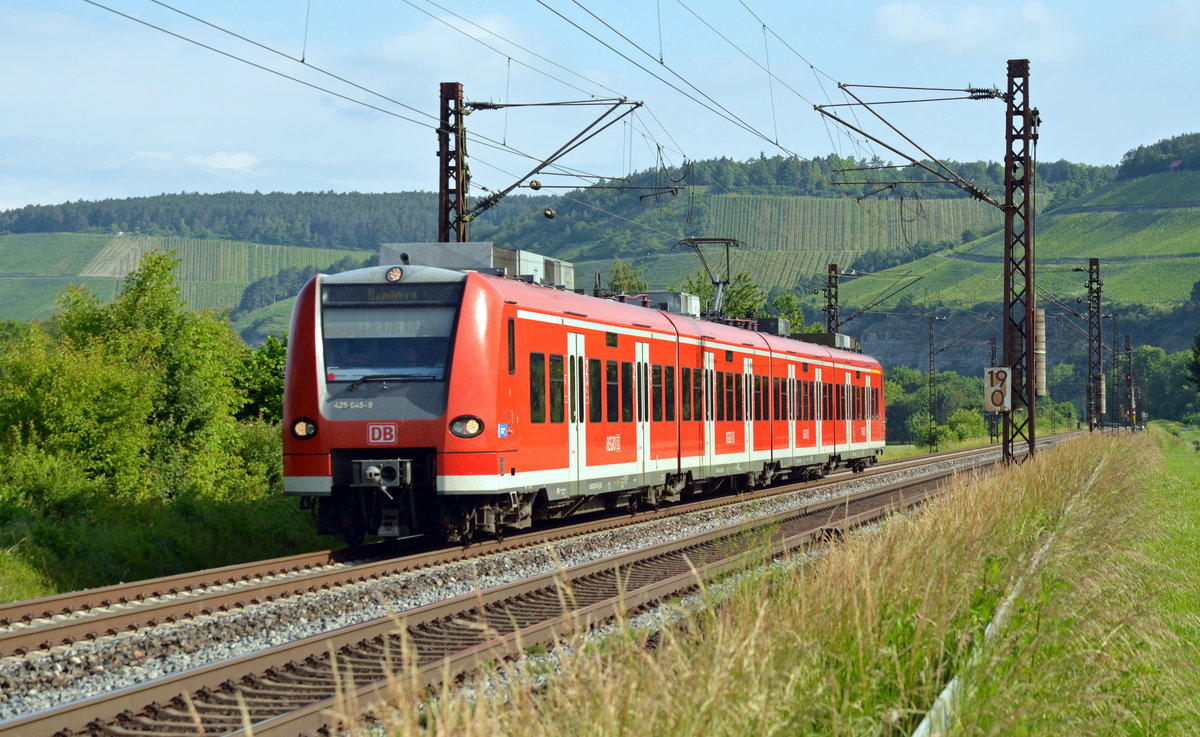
pixel 613 394
pixel 594 379
pixel 656 399
pixel 685 394
pixel 720 394
pixel 537 387
pixel 626 391
pixel 669 392
pixel 557 395
pixel 737 399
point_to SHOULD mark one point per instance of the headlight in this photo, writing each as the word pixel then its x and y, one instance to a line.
pixel 304 428
pixel 394 274
pixel 466 426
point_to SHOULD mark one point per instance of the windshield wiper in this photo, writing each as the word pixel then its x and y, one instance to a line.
pixel 393 377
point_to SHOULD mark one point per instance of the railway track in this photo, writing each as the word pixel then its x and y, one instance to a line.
pixel 290 689
pixel 61 621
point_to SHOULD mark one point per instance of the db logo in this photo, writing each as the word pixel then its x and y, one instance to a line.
pixel 381 433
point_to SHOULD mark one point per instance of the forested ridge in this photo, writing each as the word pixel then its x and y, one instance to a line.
pixel 321 219
pixel 363 221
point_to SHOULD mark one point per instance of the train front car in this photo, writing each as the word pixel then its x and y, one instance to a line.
pixel 365 398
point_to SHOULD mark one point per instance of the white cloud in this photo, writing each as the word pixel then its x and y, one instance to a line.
pixel 1029 29
pixel 221 160
pixel 240 161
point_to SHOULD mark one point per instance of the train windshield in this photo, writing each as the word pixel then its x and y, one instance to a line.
pixel 404 336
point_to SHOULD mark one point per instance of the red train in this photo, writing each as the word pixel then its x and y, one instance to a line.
pixel 424 400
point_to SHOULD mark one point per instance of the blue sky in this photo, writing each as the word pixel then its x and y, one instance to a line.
pixel 97 105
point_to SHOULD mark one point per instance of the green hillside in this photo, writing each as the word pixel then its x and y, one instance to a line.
pixel 792 240
pixel 1145 231
pixel 212 274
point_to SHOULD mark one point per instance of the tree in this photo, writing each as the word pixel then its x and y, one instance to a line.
pixel 742 297
pixel 787 306
pixel 184 364
pixel 261 378
pixel 623 278
pixel 1193 364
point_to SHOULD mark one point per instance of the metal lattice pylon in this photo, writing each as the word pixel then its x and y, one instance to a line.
pixel 1019 303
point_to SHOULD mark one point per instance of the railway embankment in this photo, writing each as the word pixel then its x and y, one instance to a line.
pixel 1062 596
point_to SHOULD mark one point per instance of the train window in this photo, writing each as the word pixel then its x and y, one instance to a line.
pixel 656 403
pixel 537 387
pixel 594 378
pixel 512 347
pixel 720 394
pixel 669 391
pixel 783 399
pixel 556 389
pixel 685 394
pixel 572 384
pixel 626 391
pixel 613 398
pixel 610 340
pixel 728 356
pixel 728 396
pixel 737 399
pixel 698 394
pixel 775 398
pixel 758 397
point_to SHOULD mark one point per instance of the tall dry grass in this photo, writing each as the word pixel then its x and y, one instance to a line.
pixel 860 640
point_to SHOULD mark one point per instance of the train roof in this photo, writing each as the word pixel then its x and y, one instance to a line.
pixel 609 311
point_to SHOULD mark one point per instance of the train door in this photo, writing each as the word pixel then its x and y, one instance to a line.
pixel 817 409
pixel 710 428
pixel 789 410
pixel 868 406
pixel 642 415
pixel 576 409
pixel 848 410
pixel 748 404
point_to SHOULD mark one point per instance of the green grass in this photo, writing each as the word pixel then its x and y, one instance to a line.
pixel 35 268
pixel 33 298
pixel 49 254
pixel 861 639
pixel 254 327
pixel 1179 188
